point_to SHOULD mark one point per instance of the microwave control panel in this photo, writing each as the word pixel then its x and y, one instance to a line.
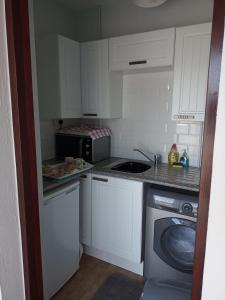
pixel 87 149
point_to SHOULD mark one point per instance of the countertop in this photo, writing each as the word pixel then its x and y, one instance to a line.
pixel 163 174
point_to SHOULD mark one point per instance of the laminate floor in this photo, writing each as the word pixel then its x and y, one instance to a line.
pixel 92 273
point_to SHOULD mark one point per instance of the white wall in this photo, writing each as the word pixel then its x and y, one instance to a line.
pixel 147 123
pixel 214 277
pixel 11 268
pixel 124 18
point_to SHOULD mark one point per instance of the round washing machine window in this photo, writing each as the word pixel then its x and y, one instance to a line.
pixel 174 242
pixel 179 243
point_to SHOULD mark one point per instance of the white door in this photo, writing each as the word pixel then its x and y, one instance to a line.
pixel 117 217
pixel 90 72
pixel 95 77
pixel 60 238
pixel 191 71
pixel 70 85
pixel 85 209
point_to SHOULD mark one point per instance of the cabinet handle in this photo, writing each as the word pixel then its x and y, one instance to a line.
pixel 137 62
pixel 100 179
pixel 90 115
pixel 83 176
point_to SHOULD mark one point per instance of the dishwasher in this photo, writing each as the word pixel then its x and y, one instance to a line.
pixel 60 237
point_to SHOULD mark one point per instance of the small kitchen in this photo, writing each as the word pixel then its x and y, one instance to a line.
pixel 121 91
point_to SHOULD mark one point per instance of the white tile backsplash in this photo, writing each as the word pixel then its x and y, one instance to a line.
pixel 182 128
pixel 191 140
pixel 194 150
pixel 147 123
pixel 195 129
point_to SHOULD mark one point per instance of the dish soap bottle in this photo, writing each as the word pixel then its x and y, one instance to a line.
pixel 184 160
pixel 173 156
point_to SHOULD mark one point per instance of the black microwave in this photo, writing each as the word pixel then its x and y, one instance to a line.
pixel 81 146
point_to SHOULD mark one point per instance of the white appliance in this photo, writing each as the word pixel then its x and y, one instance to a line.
pixel 60 237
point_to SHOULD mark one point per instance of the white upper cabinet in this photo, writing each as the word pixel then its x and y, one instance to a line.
pixel 101 90
pixel 58 66
pixel 191 72
pixel 142 50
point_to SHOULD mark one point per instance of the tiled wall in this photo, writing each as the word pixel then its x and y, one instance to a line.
pixel 189 136
pixel 147 124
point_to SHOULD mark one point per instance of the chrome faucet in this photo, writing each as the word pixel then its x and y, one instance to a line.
pixel 147 155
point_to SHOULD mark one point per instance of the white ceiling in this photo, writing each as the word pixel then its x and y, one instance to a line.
pixel 84 4
pixel 78 5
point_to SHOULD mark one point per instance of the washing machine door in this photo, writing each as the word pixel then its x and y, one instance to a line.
pixel 174 242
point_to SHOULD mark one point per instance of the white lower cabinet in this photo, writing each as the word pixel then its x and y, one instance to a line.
pixel 85 209
pixel 117 206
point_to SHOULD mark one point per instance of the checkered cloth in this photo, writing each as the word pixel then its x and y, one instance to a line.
pixel 93 131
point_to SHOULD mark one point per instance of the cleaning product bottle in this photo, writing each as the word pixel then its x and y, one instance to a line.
pixel 173 156
pixel 185 159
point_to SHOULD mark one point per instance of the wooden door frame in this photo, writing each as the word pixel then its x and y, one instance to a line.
pixel 19 55
pixel 208 143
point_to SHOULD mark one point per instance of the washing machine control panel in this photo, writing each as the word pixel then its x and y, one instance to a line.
pixel 181 202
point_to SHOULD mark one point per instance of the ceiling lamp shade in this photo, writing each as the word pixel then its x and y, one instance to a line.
pixel 148 3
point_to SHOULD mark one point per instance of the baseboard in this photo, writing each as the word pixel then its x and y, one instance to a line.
pixel 115 260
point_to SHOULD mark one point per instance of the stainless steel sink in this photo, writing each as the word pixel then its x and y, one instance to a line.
pixel 131 167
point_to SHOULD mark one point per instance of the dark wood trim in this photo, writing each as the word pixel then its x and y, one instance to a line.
pixel 19 54
pixel 17 20
pixel 208 142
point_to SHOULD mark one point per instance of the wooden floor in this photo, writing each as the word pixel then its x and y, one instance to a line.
pixel 92 273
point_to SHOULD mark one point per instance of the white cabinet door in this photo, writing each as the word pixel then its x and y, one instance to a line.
pixel 101 91
pixel 191 71
pixel 117 216
pixel 58 70
pixel 60 237
pixel 143 50
pixel 85 209
pixel 69 72
pixel 91 76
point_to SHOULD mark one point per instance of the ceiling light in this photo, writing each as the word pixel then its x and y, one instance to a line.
pixel 148 3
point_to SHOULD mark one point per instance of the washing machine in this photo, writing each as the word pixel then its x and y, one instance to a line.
pixel 170 230
pixel 169 290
